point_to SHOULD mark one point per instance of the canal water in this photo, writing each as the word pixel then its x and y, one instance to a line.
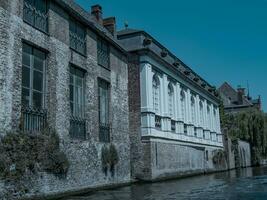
pixel 250 183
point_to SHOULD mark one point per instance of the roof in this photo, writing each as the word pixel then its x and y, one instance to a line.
pixel 230 96
pixel 87 19
pixel 156 48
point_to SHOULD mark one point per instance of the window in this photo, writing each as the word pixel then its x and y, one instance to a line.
pixel 201 113
pixel 193 109
pixel 33 81
pixel 182 96
pixel 77 98
pixel 102 53
pixel 209 116
pixel 171 100
pixel 185 129
pixel 104 126
pixel 77 37
pixel 156 94
pixel 35 13
pixel 173 126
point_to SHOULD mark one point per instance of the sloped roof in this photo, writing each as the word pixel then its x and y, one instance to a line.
pixel 230 96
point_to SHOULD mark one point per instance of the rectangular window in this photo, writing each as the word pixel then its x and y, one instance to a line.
pixel 33 81
pixel 35 14
pixel 77 36
pixel 104 126
pixel 185 129
pixel 77 98
pixel 173 126
pixel 103 53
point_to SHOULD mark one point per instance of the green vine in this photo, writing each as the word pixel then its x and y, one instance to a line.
pixel 22 152
pixel 219 157
pixel 110 158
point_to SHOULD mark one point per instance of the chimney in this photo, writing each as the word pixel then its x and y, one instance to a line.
pixel 110 24
pixel 96 11
pixel 240 95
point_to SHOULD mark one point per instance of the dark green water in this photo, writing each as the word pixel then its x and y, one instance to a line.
pixel 245 184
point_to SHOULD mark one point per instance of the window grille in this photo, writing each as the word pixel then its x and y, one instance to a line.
pixel 77 98
pixel 32 97
pixel 77 37
pixel 104 125
pixel 35 13
pixel 102 53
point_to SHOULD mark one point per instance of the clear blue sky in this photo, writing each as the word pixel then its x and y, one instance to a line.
pixel 222 40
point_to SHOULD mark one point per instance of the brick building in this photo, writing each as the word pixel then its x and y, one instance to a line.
pixel 237 100
pixel 62 66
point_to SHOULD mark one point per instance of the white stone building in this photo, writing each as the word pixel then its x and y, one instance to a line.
pixel 179 114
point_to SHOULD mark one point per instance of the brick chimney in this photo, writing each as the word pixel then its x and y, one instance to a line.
pixel 96 11
pixel 110 24
pixel 240 95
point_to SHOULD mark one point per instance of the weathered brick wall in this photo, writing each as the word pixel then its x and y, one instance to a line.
pixel 138 158
pixel 84 156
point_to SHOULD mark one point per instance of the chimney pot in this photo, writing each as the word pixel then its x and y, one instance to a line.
pixel 96 11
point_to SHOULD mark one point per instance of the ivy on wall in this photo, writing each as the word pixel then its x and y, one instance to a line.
pixel 22 152
pixel 110 158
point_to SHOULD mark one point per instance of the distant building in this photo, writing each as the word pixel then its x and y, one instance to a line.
pixel 237 100
pixel 174 114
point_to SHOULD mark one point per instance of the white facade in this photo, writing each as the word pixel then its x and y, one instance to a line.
pixel 174 109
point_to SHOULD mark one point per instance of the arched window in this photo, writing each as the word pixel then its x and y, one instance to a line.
pixel 201 113
pixel 214 119
pixel 156 94
pixel 193 109
pixel 171 100
pixel 183 107
pixel 209 116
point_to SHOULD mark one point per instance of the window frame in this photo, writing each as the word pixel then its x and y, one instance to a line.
pixel 77 119
pixel 74 35
pixel 107 125
pixel 156 90
pixel 100 43
pixel 32 69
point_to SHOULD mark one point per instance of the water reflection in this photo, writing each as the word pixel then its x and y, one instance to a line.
pixel 248 184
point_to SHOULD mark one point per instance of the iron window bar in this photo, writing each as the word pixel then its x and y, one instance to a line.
pixel 77 128
pixel 104 132
pixel 35 17
pixel 33 119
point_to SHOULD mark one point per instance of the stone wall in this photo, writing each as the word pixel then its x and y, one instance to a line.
pixel 167 159
pixel 238 153
pixel 84 155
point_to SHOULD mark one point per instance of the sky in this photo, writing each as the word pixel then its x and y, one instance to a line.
pixel 221 40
